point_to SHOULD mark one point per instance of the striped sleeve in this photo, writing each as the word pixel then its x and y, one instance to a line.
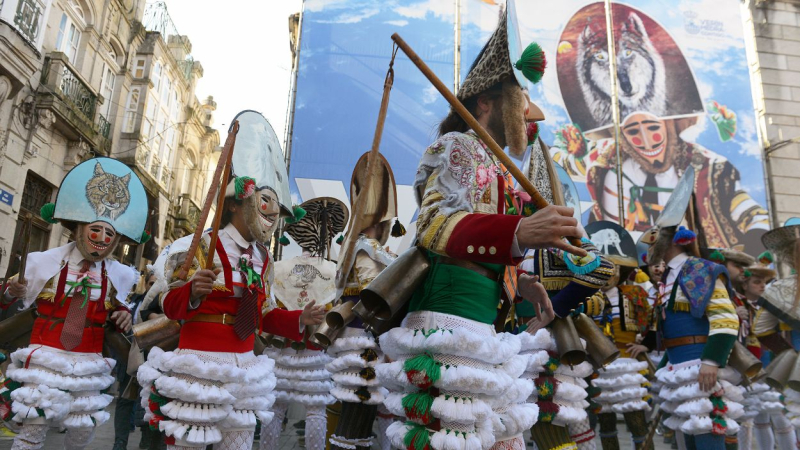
pixel 747 214
pixel 723 326
pixel 721 314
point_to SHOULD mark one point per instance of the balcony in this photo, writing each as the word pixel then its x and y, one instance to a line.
pixel 64 91
pixel 187 214
pixel 150 165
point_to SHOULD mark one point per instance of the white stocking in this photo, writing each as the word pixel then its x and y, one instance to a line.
pixel 236 440
pixel 78 438
pixel 582 434
pixel 784 431
pixel 271 432
pixel 30 437
pixel 763 431
pixel 384 420
pixel 316 427
pixel 745 435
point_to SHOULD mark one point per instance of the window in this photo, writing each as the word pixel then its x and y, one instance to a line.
pixel 28 19
pixel 155 76
pixel 131 108
pixel 35 194
pixel 108 92
pixel 138 67
pixel 69 37
pixel 166 86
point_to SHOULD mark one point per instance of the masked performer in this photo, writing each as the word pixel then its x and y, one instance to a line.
pixel 778 312
pixel 560 389
pixel 625 314
pixel 355 351
pixel 450 370
pixel 300 367
pixel 60 378
pixel 212 388
pixel 699 326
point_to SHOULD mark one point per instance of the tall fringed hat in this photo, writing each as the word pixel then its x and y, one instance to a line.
pixel 614 242
pixel 258 162
pixel 102 189
pixel 784 243
pixel 503 58
pixel 381 203
pixel 325 219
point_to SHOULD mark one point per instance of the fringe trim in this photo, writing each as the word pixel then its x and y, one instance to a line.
pixel 497 349
pixel 453 378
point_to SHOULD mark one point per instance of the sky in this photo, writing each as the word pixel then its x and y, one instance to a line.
pixel 244 49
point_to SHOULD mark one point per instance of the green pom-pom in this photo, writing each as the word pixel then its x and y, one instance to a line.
pixel 747 273
pixel 340 239
pixel 422 370
pixel 244 186
pixel 398 230
pixel 297 215
pixel 47 211
pixel 145 237
pixel 417 437
pixel 284 241
pixel 532 63
pixel 766 258
pixel 417 406
pixel 717 256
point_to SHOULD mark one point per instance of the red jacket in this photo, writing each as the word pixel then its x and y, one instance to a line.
pixel 217 337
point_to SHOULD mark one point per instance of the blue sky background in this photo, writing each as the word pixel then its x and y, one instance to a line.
pixel 345 52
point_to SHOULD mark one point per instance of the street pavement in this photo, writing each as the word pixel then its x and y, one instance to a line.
pixel 104 439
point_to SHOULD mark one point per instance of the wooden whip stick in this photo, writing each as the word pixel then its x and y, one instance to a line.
pixel 651 432
pixel 223 163
pixel 462 111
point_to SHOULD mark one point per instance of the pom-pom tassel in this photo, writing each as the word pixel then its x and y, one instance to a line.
pixel 47 210
pixel 766 258
pixel 532 63
pixel 340 239
pixel 284 240
pixel 684 236
pixel 417 406
pixel 297 215
pixel 244 187
pixel 532 132
pixel 417 437
pixel 145 237
pixel 398 230
pixel 641 277
pixel 717 257
pixel 422 370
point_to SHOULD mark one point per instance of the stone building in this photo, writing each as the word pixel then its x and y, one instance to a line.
pixel 84 78
pixel 774 56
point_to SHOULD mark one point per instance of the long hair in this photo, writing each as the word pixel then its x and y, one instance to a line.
pixel 453 122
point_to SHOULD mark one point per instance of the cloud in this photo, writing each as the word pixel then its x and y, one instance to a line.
pixel 352 17
pixel 440 9
pixel 429 95
pixel 397 23
pixel 747 135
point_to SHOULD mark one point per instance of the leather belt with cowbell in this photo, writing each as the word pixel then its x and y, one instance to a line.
pixel 225 319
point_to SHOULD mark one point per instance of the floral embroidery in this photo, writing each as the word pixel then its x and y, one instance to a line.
pixel 483 177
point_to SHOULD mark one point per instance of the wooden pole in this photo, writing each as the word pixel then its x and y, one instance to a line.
pixel 462 111
pixel 224 162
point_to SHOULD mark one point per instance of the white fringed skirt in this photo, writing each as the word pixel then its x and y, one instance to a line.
pixel 193 396
pixel 301 376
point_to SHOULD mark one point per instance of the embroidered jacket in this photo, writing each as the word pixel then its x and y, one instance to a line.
pixel 460 189
pixel 625 313
pixel 218 337
pixel 52 278
pixel 695 301
pixel 776 314
pixel 371 258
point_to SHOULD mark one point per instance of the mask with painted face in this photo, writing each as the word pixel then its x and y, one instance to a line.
pixel 261 213
pixel 650 141
pixel 96 240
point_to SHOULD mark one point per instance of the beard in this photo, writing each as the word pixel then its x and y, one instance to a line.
pixel 513 118
pixel 670 153
pixel 256 223
pixel 658 251
pixel 89 253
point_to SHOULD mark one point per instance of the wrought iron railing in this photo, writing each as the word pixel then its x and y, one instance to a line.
pixel 73 89
pixel 104 126
pixel 28 18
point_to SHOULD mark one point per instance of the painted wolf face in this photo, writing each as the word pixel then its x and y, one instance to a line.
pixel 107 193
pixel 641 77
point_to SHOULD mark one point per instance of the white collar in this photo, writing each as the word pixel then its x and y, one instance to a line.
pixel 677 261
pixel 237 238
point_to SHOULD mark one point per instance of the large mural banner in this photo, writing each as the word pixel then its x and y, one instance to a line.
pixel 683 86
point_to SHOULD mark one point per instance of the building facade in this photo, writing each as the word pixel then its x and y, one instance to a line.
pixel 774 56
pixel 86 78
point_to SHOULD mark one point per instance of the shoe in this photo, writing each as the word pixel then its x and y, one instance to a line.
pixel 6 434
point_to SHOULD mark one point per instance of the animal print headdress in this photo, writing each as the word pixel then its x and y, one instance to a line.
pixel 102 189
pixel 325 218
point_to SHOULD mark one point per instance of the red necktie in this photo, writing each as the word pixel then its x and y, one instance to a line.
pixel 74 322
pixel 247 314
